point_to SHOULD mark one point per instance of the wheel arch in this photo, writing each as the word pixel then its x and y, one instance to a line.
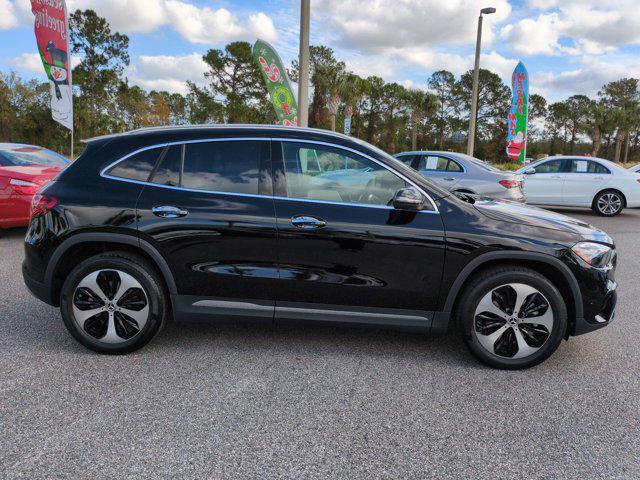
pixel 84 245
pixel 552 268
pixel 624 197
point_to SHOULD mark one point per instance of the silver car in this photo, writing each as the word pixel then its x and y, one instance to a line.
pixel 461 173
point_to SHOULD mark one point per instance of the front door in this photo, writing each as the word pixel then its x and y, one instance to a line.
pixel 345 253
pixel 545 186
pixel 208 209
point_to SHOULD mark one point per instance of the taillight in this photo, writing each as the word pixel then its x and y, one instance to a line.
pixel 41 204
pixel 23 187
pixel 510 183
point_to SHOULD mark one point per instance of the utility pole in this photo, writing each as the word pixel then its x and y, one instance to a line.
pixel 476 75
pixel 303 81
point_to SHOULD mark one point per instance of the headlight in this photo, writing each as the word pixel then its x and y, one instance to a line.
pixel 594 254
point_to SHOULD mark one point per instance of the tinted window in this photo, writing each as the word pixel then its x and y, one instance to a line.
pixel 224 166
pixel 588 166
pixel 168 171
pixel 138 166
pixel 552 166
pixel 453 167
pixel 25 156
pixel 344 176
pixel 433 163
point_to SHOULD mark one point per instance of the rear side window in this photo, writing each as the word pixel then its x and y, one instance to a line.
pixel 588 166
pixel 138 166
pixel 226 166
pixel 168 171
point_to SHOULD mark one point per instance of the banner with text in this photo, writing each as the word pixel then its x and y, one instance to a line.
pixel 275 77
pixel 52 36
pixel 518 115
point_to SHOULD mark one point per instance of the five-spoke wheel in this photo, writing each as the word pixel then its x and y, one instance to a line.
pixel 512 317
pixel 609 203
pixel 114 302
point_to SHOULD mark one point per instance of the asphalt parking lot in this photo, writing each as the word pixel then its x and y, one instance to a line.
pixel 206 401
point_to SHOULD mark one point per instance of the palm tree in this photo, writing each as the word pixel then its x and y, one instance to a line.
pixel 332 78
pixel 421 104
pixel 352 91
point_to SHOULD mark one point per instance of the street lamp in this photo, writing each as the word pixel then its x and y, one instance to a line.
pixel 476 75
pixel 303 85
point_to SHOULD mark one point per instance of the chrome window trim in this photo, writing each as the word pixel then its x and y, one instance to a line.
pixel 103 173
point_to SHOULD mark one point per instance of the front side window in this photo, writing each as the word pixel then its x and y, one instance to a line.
pixel 552 166
pixel 138 166
pixel 224 166
pixel 344 177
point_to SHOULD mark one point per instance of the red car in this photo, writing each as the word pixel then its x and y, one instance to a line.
pixel 23 170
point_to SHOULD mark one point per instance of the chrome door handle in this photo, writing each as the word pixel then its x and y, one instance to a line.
pixel 168 211
pixel 449 179
pixel 598 178
pixel 307 222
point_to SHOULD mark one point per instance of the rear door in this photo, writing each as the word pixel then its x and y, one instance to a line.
pixel 445 171
pixel 208 208
pixel 545 186
pixel 345 253
pixel 583 180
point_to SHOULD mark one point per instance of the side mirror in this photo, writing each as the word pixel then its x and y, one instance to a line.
pixel 408 199
pixel 530 171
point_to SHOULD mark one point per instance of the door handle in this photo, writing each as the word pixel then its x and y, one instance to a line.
pixel 449 179
pixel 306 222
pixel 599 178
pixel 168 211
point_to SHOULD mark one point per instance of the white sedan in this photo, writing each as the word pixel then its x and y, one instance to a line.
pixel 599 184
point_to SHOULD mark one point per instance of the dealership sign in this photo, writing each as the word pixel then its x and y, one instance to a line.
pixel 52 36
pixel 518 115
pixel 275 77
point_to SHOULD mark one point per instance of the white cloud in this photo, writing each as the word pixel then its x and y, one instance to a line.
pixel 208 26
pixel 30 62
pixel 530 36
pixel 9 17
pixel 128 16
pixel 381 24
pixel 164 72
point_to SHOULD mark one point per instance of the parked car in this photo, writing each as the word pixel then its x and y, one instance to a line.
pixel 23 170
pixel 589 182
pixel 210 223
pixel 462 173
pixel 635 169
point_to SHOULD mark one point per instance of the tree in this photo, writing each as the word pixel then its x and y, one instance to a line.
pixel 331 78
pixel 352 92
pixel 443 85
pixel 622 98
pixel 421 104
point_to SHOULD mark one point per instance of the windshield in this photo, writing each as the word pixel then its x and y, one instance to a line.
pixel 27 156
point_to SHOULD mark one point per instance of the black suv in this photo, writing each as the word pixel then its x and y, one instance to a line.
pixel 273 224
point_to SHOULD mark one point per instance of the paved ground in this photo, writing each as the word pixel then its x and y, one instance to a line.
pixel 255 402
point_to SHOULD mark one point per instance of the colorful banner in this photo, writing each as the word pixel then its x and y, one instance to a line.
pixel 52 28
pixel 518 115
pixel 275 77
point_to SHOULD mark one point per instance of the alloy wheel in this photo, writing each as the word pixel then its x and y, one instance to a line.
pixel 609 204
pixel 513 321
pixel 110 306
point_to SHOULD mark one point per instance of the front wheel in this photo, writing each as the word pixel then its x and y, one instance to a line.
pixel 113 303
pixel 608 203
pixel 512 318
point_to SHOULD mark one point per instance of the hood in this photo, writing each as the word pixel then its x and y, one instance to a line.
pixel 514 212
pixel 34 173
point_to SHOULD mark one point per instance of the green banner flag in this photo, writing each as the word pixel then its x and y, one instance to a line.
pixel 275 77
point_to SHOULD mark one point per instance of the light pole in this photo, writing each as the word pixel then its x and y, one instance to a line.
pixel 476 75
pixel 303 81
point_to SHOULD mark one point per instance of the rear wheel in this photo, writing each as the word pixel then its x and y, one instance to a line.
pixel 512 317
pixel 608 203
pixel 113 303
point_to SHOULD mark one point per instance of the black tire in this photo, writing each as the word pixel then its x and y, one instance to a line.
pixel 155 296
pixel 603 202
pixel 497 278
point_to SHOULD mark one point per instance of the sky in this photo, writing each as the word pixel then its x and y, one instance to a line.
pixel 568 46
